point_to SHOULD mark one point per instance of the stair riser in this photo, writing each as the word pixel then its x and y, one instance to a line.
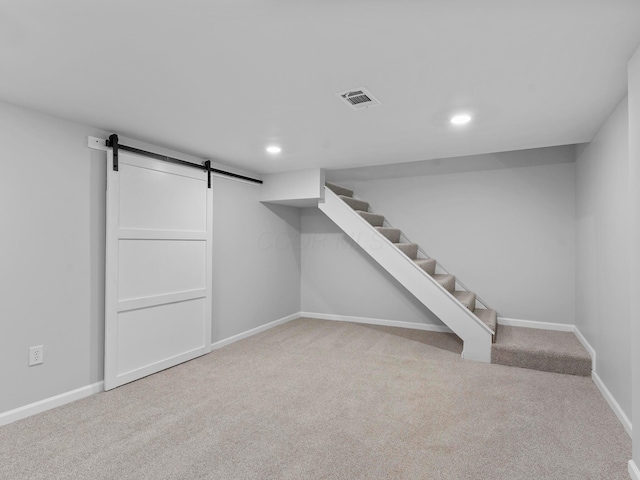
pixel 372 218
pixel 448 282
pixel 428 266
pixel 549 362
pixel 338 190
pixel 391 234
pixel 490 319
pixel 468 299
pixel 355 204
pixel 409 249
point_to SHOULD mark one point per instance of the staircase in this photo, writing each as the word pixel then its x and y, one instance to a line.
pixel 440 291
pixel 458 307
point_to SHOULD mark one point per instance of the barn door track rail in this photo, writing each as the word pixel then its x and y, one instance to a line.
pixel 206 165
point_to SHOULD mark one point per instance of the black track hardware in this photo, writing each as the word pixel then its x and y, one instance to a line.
pixel 206 166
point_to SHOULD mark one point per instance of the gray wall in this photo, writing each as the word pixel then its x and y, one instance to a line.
pixel 502 223
pixel 52 200
pixel 634 212
pixel 602 253
pixel 256 268
pixel 52 191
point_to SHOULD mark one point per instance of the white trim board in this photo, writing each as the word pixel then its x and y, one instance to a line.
pixel 49 403
pixel 515 322
pixel 254 331
pixel 634 471
pixel 377 321
pixel 82 392
pixel 561 327
pixel 587 346
pixel 613 404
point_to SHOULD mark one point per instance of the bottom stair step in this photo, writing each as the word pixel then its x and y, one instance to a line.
pixel 546 350
pixel 489 317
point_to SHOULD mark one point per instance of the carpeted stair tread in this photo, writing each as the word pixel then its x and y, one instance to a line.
pixel 427 264
pixel 489 317
pixel 355 203
pixel 338 190
pixel 372 218
pixel 447 280
pixel 409 249
pixel 546 350
pixel 392 234
pixel 468 299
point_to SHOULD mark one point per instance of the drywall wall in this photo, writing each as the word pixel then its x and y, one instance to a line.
pixel 256 259
pixel 52 190
pixel 634 225
pixel 505 229
pixel 52 204
pixel 602 253
pixel 302 188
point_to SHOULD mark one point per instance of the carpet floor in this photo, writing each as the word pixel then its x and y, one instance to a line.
pixel 316 399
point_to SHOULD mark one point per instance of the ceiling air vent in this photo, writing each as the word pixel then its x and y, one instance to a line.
pixel 359 98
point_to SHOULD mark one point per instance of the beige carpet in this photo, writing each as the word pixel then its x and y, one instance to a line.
pixel 318 399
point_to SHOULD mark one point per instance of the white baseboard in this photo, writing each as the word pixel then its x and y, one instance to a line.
pixel 68 397
pixel 49 403
pixel 615 406
pixel 634 471
pixel 377 321
pixel 254 331
pixel 587 346
pixel 515 322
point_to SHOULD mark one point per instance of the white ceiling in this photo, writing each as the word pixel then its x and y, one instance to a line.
pixel 221 79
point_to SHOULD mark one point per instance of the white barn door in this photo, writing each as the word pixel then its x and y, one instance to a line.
pixel 158 267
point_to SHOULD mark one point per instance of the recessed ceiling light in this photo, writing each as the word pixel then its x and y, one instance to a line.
pixel 273 149
pixel 461 119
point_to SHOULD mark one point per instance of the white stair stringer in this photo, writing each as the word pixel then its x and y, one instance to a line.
pixel 473 332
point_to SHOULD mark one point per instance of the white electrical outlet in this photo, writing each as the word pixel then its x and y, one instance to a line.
pixel 36 355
